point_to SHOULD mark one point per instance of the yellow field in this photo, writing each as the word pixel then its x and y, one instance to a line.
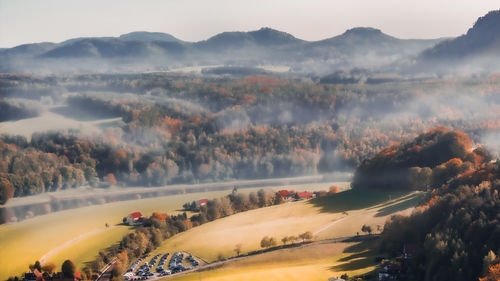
pixel 318 261
pixel 80 233
pixel 338 215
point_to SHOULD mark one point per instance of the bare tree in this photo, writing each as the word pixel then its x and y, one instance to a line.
pixel 237 249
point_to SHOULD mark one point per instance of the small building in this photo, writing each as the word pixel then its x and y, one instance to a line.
pixel 201 202
pixel 134 218
pixel 390 271
pixel 284 193
pixel 304 195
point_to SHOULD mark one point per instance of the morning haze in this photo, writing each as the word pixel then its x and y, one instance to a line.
pixel 258 140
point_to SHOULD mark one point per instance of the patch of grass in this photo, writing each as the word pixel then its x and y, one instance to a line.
pixel 220 237
pixel 315 261
pixel 355 199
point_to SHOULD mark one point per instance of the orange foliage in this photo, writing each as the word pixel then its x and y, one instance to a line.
pixel 159 216
pixel 334 189
pixel 121 154
pixel 172 124
pixel 455 162
pixel 493 273
pixel 111 178
pixel 261 80
pixel 248 99
pixel 189 224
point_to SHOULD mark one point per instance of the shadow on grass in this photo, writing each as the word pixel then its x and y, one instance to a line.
pixel 355 199
pixel 354 264
pixel 411 201
pixel 362 256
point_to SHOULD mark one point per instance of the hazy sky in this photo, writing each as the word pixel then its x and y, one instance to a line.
pixel 26 21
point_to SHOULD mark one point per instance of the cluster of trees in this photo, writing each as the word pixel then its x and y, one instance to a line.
pixel 68 269
pixel 428 161
pixel 14 111
pixel 231 204
pixel 26 170
pixel 455 234
pixel 144 239
pixel 269 242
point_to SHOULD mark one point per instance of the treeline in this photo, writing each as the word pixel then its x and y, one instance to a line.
pixel 233 203
pixel 455 234
pixel 428 161
pixel 15 110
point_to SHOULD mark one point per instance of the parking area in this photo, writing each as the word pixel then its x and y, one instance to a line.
pixel 154 267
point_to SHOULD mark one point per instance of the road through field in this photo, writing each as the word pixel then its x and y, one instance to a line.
pixel 68 243
pixel 328 226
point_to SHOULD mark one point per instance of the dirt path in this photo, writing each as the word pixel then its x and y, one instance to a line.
pixel 328 226
pixel 68 243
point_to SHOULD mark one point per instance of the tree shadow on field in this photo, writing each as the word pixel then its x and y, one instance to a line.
pixel 355 199
pixel 404 204
pixel 362 256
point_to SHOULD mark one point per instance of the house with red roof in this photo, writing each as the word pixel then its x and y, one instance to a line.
pixel 304 195
pixel 134 218
pixel 201 202
pixel 284 193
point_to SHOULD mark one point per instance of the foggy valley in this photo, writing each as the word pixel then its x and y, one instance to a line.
pixel 252 155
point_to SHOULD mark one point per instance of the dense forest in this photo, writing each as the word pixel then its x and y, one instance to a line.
pixel 186 129
pixel 455 234
pixel 428 161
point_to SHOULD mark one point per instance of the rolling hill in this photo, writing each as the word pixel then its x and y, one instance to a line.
pixel 139 51
pixel 478 49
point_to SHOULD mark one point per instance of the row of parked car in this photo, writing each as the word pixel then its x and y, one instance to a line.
pixel 193 261
pixel 134 265
pixel 176 265
pixel 160 269
pixel 144 271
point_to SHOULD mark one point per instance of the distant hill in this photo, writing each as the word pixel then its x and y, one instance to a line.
pixel 478 48
pixel 149 36
pixel 139 51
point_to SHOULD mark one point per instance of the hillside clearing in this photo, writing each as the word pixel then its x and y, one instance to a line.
pixel 316 261
pixel 317 216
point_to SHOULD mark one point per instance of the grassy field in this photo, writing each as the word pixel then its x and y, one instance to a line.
pixel 338 215
pixel 24 242
pixel 317 261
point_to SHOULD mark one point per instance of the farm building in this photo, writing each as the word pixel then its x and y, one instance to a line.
pixel 284 193
pixel 304 195
pixel 134 218
pixel 201 202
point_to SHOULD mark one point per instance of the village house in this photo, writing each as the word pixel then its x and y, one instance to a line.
pixel 304 195
pixel 201 202
pixel 285 194
pixel 134 218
